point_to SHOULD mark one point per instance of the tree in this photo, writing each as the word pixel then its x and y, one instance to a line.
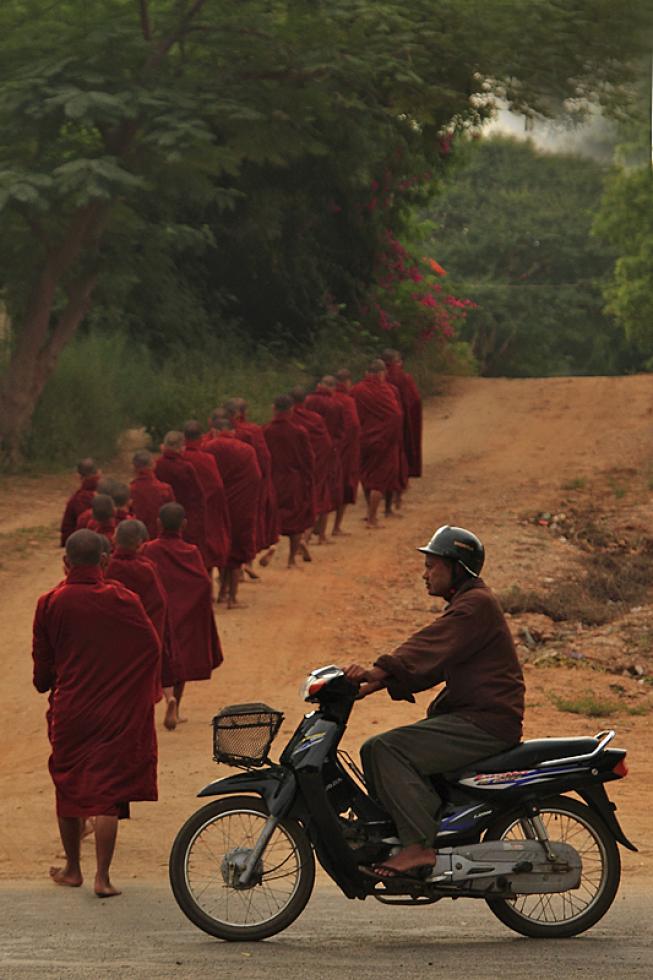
pixel 117 116
pixel 513 230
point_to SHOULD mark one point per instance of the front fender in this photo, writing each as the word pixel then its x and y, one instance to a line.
pixel 276 785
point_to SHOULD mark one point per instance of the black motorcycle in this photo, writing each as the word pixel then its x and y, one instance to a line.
pixel 243 867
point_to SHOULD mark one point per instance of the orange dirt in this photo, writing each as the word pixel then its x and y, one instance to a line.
pixel 496 453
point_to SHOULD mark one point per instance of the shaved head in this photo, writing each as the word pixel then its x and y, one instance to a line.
pixel 172 516
pixel 233 408
pixel 216 414
pixel 174 440
pixel 390 356
pixel 120 494
pixel 283 403
pixel 192 430
pixel 142 460
pixel 297 394
pixel 377 366
pixel 106 484
pixel 103 507
pixel 344 374
pixel 223 424
pixel 86 467
pixel 130 535
pixel 329 381
pixel 84 547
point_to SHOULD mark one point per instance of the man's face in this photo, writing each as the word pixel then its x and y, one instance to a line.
pixel 438 575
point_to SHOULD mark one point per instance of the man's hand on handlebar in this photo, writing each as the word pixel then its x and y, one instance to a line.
pixel 369 679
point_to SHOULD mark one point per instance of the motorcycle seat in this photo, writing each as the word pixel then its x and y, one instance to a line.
pixel 531 753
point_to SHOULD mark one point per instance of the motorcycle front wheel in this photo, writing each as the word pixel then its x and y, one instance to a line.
pixel 204 863
pixel 558 915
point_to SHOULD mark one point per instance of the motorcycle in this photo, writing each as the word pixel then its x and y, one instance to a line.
pixel 243 867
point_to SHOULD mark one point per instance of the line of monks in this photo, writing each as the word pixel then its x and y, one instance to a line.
pixel 133 620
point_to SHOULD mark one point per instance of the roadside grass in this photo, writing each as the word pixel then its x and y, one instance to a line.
pixel 24 541
pixel 595 706
pixel 577 483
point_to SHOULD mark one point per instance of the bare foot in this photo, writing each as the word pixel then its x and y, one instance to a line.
pixel 235 604
pixel 181 721
pixel 305 553
pixel 171 718
pixel 251 575
pixel 341 534
pixel 89 828
pixel 62 876
pixel 104 888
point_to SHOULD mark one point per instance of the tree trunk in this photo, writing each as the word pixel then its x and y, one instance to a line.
pixel 39 344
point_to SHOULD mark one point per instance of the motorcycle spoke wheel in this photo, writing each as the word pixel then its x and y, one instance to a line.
pixel 202 860
pixel 570 912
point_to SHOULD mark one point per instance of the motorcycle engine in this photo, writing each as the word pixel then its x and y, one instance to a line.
pixel 516 867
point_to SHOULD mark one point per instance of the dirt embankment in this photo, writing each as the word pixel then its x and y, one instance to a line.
pixel 498 455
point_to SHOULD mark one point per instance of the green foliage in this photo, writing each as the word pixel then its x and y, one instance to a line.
pixel 513 230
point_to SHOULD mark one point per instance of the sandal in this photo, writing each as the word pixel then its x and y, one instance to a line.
pixel 385 872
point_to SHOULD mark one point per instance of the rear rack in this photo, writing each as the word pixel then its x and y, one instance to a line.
pixel 605 737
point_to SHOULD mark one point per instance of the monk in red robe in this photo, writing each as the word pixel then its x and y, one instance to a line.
pixel 242 479
pixel 129 565
pixel 323 450
pixel 218 524
pixel 411 404
pixel 82 497
pixel 122 499
pixel 267 531
pixel 172 468
pixel 351 446
pixel 190 604
pixel 148 494
pixel 106 484
pixel 103 516
pixel 97 653
pixel 324 402
pixel 381 436
pixel 293 472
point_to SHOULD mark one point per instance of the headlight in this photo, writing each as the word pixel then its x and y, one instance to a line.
pixel 317 679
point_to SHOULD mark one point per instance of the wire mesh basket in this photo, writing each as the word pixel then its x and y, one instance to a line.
pixel 243 734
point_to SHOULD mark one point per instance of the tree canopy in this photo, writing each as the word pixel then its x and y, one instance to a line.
pixel 179 159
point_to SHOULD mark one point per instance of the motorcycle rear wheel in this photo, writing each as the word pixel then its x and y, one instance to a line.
pixel 559 915
pixel 200 857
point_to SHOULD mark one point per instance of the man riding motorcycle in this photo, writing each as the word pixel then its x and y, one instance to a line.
pixel 478 713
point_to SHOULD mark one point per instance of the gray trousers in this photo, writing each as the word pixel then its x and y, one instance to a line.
pixel 397 763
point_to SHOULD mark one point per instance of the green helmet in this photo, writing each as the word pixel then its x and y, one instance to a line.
pixel 459 545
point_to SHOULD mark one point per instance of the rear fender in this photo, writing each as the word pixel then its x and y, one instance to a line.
pixel 596 797
pixel 276 785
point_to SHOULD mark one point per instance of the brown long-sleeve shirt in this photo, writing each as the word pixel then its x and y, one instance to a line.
pixel 470 648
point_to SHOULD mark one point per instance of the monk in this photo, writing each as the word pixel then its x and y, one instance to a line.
pixel 351 446
pixel 172 468
pixel 103 516
pixel 97 653
pixel 148 494
pixel 183 573
pixel 267 530
pixel 411 404
pixel 122 499
pixel 293 472
pixel 130 566
pixel 218 524
pixel 106 484
pixel 381 437
pixel 80 501
pixel 323 449
pixel 242 479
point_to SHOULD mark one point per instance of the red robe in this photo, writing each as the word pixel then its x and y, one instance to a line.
pixel 172 468
pixel 218 524
pixel 242 483
pixel 325 403
pixel 381 433
pixel 97 651
pixel 351 445
pixel 293 473
pixel 79 502
pixel 267 530
pixel 322 446
pixel 412 407
pixel 148 497
pixel 138 573
pixel 107 528
pixel 190 605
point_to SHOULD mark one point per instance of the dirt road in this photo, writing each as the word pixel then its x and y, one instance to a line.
pixel 496 452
